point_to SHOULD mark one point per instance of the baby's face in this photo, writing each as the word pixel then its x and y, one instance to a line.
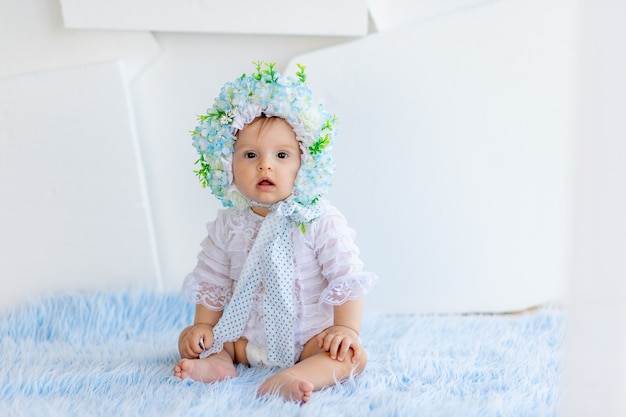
pixel 266 161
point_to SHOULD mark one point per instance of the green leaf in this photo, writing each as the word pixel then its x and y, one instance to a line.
pixel 203 172
pixel 300 74
pixel 318 146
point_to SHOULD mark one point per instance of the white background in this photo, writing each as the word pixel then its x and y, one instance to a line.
pixel 455 154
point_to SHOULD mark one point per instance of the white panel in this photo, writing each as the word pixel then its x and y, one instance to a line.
pixel 389 14
pixel 32 38
pixel 72 216
pixel 455 154
pixel 596 349
pixel 320 17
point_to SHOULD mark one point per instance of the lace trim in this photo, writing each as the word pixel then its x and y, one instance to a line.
pixel 211 296
pixel 348 289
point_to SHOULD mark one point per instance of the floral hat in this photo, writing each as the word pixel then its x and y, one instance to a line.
pixel 272 94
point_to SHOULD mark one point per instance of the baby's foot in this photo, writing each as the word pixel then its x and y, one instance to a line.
pixel 203 370
pixel 288 386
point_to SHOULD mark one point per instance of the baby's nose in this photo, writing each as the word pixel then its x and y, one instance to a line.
pixel 264 164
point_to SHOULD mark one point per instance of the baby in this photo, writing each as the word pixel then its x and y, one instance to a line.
pixel 279 281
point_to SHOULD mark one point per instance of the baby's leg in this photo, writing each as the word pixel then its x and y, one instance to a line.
pixel 315 371
pixel 214 368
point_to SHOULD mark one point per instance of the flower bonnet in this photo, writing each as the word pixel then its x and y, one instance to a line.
pixel 265 92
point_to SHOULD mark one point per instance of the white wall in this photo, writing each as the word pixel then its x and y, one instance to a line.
pixel 454 155
pixel 596 344
pixel 72 211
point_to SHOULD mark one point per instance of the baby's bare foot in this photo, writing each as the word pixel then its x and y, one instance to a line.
pixel 288 386
pixel 204 370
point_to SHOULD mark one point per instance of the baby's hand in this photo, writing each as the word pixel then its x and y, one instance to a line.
pixel 338 340
pixel 194 339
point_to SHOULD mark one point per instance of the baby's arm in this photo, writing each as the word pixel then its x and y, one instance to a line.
pixel 344 334
pixel 194 338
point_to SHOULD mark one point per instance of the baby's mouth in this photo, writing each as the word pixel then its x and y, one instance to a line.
pixel 265 181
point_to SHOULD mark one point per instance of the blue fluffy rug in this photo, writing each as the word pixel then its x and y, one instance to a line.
pixel 112 355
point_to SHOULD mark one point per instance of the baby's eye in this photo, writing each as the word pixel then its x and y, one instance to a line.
pixel 249 155
pixel 282 155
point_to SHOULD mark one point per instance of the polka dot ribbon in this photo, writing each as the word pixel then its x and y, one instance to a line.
pixel 270 264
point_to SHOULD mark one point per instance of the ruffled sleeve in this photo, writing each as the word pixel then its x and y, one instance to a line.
pixel 339 260
pixel 209 283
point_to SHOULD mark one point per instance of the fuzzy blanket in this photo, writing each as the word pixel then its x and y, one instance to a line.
pixel 112 355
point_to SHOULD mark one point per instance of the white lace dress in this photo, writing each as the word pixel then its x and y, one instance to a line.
pixel 328 270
